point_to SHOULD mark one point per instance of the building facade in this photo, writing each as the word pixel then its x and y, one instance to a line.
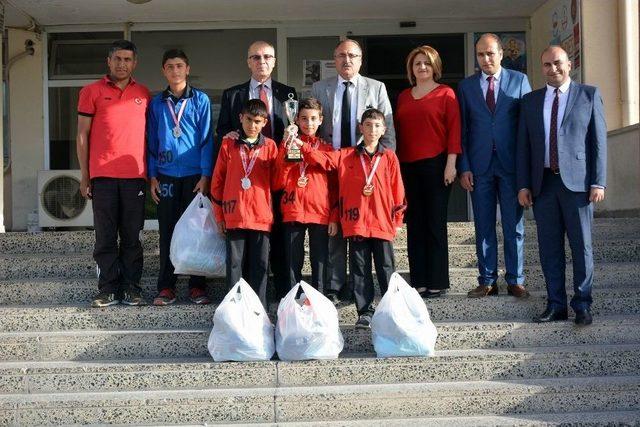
pixel 52 49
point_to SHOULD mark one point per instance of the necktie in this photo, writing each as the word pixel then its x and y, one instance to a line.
pixel 491 97
pixel 345 119
pixel 266 131
pixel 553 134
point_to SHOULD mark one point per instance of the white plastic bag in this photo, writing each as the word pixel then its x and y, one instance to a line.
pixel 242 330
pixel 308 327
pixel 401 325
pixel 196 246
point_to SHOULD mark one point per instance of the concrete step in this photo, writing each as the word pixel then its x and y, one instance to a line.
pixel 90 345
pixel 571 419
pixel 203 373
pixel 82 290
pixel 452 307
pixel 318 403
pixel 459 233
pixel 30 266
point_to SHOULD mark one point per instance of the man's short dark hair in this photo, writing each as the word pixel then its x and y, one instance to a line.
pixel 310 104
pixel 256 108
pixel 173 54
pixel 496 38
pixel 123 45
pixel 372 113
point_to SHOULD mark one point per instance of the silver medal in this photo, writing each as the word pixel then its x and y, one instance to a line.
pixel 245 183
pixel 177 132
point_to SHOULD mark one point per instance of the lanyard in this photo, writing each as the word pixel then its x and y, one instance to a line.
pixel 303 165
pixel 176 119
pixel 251 160
pixel 369 177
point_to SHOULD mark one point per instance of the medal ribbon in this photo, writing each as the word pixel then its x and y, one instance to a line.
pixel 251 160
pixel 369 177
pixel 176 119
pixel 303 164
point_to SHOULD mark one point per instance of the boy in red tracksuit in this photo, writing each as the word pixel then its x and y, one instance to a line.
pixel 309 195
pixel 241 192
pixel 371 203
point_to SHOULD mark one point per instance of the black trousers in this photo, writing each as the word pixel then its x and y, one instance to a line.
pixel 118 212
pixel 360 251
pixel 175 196
pixel 278 264
pixel 426 217
pixel 251 249
pixel 338 280
pixel 294 233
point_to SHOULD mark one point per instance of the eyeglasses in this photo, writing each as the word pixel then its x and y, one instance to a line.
pixel 257 58
pixel 344 56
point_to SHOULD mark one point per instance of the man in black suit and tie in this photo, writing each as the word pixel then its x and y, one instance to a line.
pixel 261 60
pixel 561 172
pixel 344 98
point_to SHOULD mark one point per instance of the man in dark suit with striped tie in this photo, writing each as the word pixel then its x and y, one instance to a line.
pixel 561 172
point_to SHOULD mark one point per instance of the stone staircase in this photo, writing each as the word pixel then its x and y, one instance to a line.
pixel 62 362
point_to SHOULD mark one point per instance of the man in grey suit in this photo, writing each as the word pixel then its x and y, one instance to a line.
pixel 561 172
pixel 344 98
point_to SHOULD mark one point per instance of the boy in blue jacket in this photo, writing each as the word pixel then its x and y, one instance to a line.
pixel 180 163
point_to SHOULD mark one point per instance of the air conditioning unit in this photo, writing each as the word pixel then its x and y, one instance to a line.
pixel 60 203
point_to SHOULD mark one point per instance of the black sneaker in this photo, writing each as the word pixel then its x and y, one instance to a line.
pixel 364 321
pixel 104 299
pixel 133 296
pixel 333 297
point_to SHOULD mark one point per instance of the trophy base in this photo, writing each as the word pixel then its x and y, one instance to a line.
pixel 293 155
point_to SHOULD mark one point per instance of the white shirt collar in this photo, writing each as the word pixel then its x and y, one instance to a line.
pixel 496 76
pixel 563 88
pixel 354 80
pixel 253 84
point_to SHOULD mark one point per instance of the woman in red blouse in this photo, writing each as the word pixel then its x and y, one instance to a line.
pixel 428 142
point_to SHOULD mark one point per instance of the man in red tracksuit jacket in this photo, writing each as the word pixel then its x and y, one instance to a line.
pixel 309 202
pixel 371 204
pixel 241 192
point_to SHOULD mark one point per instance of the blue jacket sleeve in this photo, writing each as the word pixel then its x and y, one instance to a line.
pixel 152 142
pixel 523 152
pixel 206 136
pixel 463 159
pixel 525 87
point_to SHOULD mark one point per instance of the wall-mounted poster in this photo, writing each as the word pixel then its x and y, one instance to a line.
pixel 514 46
pixel 565 32
pixel 315 69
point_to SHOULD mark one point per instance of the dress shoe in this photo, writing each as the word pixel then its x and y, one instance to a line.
pixel 518 291
pixel 583 317
pixel 483 291
pixel 551 315
pixel 433 293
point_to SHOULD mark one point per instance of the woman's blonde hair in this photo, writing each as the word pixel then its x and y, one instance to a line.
pixel 432 56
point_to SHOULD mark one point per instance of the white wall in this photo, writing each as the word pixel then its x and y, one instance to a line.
pixel 26 128
pixel 2 180
pixel 623 172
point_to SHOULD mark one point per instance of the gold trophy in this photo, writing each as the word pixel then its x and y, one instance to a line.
pixel 291 109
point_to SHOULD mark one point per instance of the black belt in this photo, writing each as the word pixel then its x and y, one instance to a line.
pixel 553 171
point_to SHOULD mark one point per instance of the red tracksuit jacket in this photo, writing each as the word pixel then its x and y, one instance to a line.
pixel 248 209
pixel 374 216
pixel 317 202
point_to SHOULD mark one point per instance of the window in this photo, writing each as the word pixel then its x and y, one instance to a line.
pixel 79 55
